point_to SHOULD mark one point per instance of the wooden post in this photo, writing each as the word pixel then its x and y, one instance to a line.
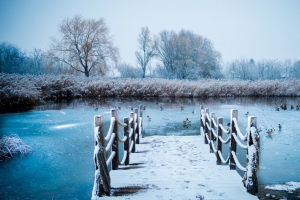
pixel 201 122
pixel 212 126
pixel 115 146
pixel 234 114
pixel 136 111
pixel 127 142
pixel 98 121
pixel 102 178
pixel 219 147
pixel 141 121
pixel 206 128
pixel 252 163
pixel 133 134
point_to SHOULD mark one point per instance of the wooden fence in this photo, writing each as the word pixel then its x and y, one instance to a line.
pixel 212 131
pixel 132 129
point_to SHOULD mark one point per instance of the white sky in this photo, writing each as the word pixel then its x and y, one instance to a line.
pixel 268 29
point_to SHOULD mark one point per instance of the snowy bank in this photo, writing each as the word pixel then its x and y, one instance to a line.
pixel 25 90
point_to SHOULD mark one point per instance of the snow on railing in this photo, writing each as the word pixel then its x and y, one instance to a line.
pixel 109 144
pixel 251 137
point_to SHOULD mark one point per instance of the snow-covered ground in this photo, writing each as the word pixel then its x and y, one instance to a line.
pixel 62 140
pixel 178 167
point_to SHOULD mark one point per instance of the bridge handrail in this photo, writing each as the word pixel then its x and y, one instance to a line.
pixel 223 129
pixel 238 141
pixel 214 122
pixel 237 162
pixel 208 117
pixel 224 141
pixel 121 123
pixel 132 132
pixel 243 137
pixel 222 159
pixel 213 131
pixel 110 130
pixel 112 155
pixel 213 146
pixel 208 126
pixel 207 129
pixel 109 144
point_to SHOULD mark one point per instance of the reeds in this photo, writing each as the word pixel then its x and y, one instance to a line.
pixel 12 145
pixel 23 90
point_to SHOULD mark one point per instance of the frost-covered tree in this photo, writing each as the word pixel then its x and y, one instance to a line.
pixel 187 55
pixel 84 45
pixel 295 70
pixel 128 71
pixel 11 58
pixel 36 57
pixel 272 69
pixel 244 69
pixel 147 49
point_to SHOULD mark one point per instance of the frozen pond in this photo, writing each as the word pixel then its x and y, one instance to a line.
pixel 61 136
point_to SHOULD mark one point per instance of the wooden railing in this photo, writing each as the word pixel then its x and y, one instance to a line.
pixel 132 129
pixel 212 131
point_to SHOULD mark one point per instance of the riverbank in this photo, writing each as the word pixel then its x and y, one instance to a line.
pixel 18 91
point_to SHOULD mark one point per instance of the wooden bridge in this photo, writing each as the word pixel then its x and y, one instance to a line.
pixel 173 167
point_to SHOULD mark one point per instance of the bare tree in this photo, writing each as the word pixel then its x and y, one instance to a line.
pixel 147 49
pixel 295 70
pixel 128 71
pixel 11 58
pixel 84 45
pixel 245 69
pixel 187 55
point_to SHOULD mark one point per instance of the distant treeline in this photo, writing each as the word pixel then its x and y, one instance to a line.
pixel 29 90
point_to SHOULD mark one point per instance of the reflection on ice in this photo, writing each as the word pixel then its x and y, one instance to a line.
pixel 65 126
pixel 62 112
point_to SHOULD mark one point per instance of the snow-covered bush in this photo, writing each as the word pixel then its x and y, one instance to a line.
pixel 12 145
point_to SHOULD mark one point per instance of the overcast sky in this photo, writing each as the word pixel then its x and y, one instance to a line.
pixel 268 29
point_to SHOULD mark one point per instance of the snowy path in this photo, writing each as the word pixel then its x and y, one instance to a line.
pixel 177 167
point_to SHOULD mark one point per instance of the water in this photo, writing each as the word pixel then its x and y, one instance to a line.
pixel 61 136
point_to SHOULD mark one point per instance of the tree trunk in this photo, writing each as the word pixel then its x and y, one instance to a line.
pixel 86 72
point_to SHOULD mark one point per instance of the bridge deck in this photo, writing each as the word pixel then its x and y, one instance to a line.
pixel 176 167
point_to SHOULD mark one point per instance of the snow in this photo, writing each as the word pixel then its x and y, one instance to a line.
pixel 288 186
pixel 252 160
pixel 178 167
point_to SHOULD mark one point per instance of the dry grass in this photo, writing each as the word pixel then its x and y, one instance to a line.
pixel 12 145
pixel 24 90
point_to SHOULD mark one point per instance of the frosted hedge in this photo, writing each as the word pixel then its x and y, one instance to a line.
pixel 28 90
